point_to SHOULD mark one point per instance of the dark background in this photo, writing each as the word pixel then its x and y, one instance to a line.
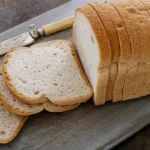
pixel 13 12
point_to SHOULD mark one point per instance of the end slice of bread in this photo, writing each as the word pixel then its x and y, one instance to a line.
pixel 47 71
pixel 10 125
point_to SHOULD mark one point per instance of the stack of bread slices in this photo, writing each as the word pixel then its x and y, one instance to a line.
pixel 113 43
pixel 45 76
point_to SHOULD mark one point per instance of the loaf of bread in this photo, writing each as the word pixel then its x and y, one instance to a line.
pixel 116 55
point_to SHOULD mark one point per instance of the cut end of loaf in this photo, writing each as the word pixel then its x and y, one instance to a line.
pixel 86 44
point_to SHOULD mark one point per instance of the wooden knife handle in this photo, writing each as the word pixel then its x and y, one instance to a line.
pixel 58 25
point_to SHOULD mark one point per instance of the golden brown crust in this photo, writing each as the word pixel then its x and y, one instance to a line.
pixel 102 84
pixel 101 10
pixel 138 88
pixel 144 23
pixel 113 70
pixel 100 34
pixel 44 98
pixel 125 45
pixel 146 4
pixel 60 108
pixel 7 79
pixel 130 16
pixel 127 90
pixel 22 121
pixel 119 84
pixel 73 35
pixel 14 110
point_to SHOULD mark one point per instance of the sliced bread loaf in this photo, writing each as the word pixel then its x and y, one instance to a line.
pixel 142 22
pixel 10 125
pixel 48 71
pixel 136 8
pixel 125 52
pixel 119 83
pixel 146 4
pixel 94 50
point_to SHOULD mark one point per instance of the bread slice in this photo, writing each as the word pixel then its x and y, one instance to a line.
pixel 125 51
pixel 129 15
pixel 119 84
pixel 101 10
pixel 125 44
pixel 102 84
pixel 128 85
pixel 113 70
pixel 20 108
pixel 104 16
pixel 48 72
pixel 127 11
pixel 10 125
pixel 96 53
pixel 140 22
pixel 139 88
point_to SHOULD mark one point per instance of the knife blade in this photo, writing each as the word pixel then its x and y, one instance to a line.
pixel 18 41
pixel 30 37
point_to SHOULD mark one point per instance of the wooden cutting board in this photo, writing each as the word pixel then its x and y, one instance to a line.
pixel 87 127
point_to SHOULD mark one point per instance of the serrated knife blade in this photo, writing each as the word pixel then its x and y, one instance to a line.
pixel 29 37
pixel 18 41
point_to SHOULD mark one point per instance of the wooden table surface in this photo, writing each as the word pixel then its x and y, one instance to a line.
pixel 13 12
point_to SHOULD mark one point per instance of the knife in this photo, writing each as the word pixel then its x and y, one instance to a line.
pixel 30 37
